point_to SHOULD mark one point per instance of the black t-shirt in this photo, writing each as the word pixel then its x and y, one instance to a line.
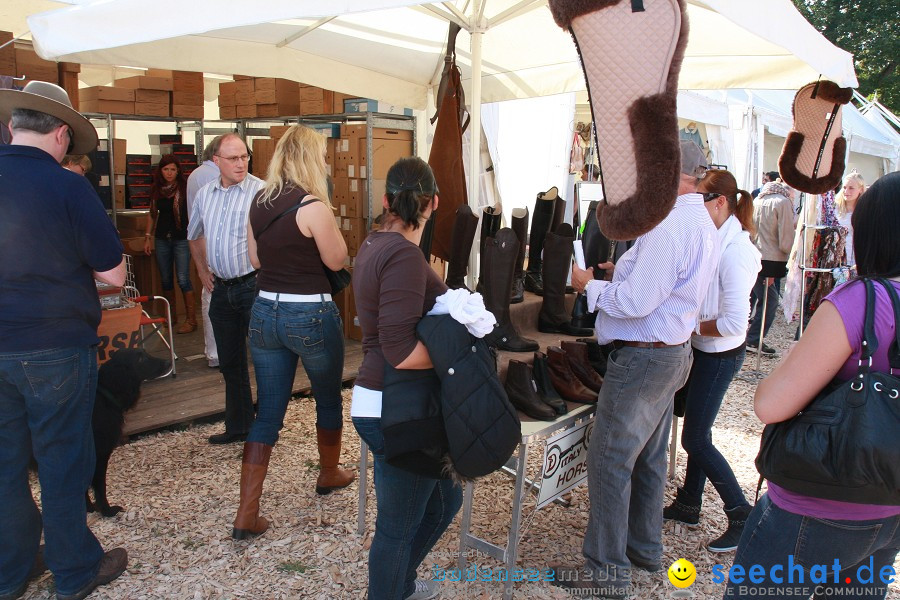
pixel 53 233
pixel 165 219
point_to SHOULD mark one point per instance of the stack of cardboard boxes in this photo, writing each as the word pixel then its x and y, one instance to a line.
pixel 252 97
pixel 138 181
pixel 7 54
pixel 152 95
pixel 186 100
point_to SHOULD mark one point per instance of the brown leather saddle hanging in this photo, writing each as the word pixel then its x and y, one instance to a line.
pixel 446 159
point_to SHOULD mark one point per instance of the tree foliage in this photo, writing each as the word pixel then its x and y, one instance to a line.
pixel 870 30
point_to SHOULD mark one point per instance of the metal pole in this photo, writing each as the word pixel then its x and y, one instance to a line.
pixel 762 325
pixel 475 140
pixel 110 144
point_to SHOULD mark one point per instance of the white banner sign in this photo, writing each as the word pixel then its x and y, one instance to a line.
pixel 565 462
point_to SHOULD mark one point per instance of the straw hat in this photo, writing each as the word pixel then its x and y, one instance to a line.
pixel 51 99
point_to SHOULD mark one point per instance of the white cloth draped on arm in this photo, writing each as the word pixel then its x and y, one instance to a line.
pixel 466 308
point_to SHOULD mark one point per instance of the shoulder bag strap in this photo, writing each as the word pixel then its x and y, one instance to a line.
pixel 870 341
pixel 894 349
pixel 291 209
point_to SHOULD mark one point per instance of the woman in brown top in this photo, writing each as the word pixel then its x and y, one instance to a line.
pixel 394 287
pixel 291 232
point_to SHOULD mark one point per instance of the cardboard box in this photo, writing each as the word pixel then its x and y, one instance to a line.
pixel 341 193
pixel 166 73
pixel 277 110
pixel 337 102
pixel 244 98
pixel 280 96
pixel 312 107
pixel 226 100
pixel 66 67
pixel 69 82
pixel 227 87
pixel 355 105
pixel 227 112
pixel 329 130
pixel 244 85
pixel 151 96
pixel 384 154
pixel 35 68
pixel 187 111
pixel 263 149
pixel 276 83
pixel 106 93
pixel 246 111
pixel 187 98
pixel 7 55
pixel 152 109
pixel 187 81
pixel 355 205
pixel 312 93
pixel 354 231
pixel 145 83
pixel 114 107
pixel 120 197
pixel 276 131
pixel 120 155
pixel 240 77
pixel 351 324
pixel 156 139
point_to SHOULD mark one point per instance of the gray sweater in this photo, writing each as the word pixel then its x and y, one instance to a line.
pixel 774 218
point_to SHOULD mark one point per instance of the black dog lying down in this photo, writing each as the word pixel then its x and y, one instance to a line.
pixel 118 389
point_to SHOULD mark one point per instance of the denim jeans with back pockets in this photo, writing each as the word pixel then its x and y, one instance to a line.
pixel 787 546
pixel 46 404
pixel 280 334
pixel 413 513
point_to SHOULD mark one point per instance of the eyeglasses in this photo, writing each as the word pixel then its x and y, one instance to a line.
pixel 235 159
pixel 71 140
pixel 707 196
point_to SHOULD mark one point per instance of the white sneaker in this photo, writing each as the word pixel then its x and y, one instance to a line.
pixel 425 590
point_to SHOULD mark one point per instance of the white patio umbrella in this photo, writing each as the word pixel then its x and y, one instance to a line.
pixel 393 50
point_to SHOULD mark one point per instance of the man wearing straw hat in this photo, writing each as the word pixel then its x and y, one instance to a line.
pixel 55 240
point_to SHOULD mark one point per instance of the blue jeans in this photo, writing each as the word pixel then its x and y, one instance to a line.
pixel 772 535
pixel 181 251
pixel 280 333
pixel 756 296
pixel 709 380
pixel 413 513
pixel 627 459
pixel 46 403
pixel 229 313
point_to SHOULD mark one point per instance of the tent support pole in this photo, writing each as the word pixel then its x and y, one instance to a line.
pixel 475 143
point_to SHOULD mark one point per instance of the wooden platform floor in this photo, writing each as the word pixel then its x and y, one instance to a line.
pixel 198 391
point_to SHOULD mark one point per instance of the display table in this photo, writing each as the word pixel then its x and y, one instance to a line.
pixel 532 432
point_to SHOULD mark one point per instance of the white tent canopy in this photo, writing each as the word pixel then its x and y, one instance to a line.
pixel 393 49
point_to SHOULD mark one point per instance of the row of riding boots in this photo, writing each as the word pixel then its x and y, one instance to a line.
pixel 503 278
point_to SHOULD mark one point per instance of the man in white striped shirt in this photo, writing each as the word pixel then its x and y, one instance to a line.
pixel 218 232
pixel 647 312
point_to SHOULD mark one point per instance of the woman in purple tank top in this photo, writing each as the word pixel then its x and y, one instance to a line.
pixel 800 545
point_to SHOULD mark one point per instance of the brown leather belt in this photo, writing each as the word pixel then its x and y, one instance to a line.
pixel 621 343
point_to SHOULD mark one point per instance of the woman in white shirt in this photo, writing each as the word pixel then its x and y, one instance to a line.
pixel 719 350
pixel 853 188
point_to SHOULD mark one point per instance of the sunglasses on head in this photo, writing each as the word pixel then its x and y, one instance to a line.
pixel 708 196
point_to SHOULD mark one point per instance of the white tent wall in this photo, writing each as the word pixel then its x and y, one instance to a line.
pixel 529 146
pixel 870 167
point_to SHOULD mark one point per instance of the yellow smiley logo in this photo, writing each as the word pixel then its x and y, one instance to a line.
pixel 682 573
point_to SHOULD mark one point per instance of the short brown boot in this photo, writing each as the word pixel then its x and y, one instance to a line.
pixel 248 523
pixel 331 477
pixel 577 354
pixel 190 321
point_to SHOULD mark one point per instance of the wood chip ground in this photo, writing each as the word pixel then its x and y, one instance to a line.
pixel 180 494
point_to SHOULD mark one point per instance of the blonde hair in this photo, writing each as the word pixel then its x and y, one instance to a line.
pixel 839 198
pixel 298 161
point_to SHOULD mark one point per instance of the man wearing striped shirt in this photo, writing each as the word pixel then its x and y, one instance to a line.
pixel 647 312
pixel 217 229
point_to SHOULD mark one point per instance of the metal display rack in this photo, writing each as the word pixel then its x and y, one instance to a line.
pixel 250 127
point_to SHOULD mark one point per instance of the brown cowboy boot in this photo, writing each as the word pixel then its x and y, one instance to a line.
pixel 331 477
pixel 254 466
pixel 190 321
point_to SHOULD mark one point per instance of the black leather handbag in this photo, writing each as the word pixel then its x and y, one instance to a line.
pixel 844 445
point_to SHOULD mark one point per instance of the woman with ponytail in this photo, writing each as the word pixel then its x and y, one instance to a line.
pixel 394 287
pixel 719 350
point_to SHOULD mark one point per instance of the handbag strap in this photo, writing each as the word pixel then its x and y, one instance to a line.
pixel 894 349
pixel 297 206
pixel 870 340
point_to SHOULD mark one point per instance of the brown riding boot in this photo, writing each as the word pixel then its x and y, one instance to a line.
pixel 255 464
pixel 190 321
pixel 331 477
